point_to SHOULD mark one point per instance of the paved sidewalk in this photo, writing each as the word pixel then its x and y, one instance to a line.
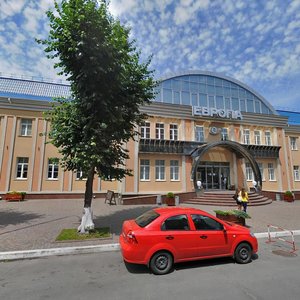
pixel 34 224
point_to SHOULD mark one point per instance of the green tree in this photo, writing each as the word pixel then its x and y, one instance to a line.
pixel 108 82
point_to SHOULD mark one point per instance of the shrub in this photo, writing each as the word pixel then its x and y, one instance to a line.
pixel 288 194
pixel 238 213
pixel 16 193
pixel 170 195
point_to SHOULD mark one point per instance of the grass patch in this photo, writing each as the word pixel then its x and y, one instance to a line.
pixel 72 234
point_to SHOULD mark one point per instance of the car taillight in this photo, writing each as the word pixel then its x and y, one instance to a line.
pixel 131 237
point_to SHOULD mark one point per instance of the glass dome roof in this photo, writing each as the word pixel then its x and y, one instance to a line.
pixel 207 89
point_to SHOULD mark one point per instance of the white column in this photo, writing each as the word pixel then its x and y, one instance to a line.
pixel 285 152
pixel 42 154
pixel 32 159
pixel 234 170
pixel 183 174
pixel 71 174
pixel 2 140
pixel 279 173
pixel 11 152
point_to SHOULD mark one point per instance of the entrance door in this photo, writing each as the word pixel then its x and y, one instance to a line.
pixel 214 175
pixel 224 179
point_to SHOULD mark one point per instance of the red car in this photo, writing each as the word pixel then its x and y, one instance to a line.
pixel 164 236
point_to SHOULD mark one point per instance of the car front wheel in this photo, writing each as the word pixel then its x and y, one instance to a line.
pixel 161 263
pixel 243 253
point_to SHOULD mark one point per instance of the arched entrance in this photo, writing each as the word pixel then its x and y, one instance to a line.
pixel 232 146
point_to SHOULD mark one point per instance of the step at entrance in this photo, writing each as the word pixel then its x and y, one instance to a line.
pixel 224 198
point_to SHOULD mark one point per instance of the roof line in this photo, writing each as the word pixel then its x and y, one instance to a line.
pixel 42 80
pixel 222 76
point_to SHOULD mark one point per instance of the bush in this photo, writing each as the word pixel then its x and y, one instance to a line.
pixel 288 194
pixel 170 195
pixel 238 213
pixel 16 193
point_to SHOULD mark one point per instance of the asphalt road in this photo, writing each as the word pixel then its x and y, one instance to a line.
pixel 105 276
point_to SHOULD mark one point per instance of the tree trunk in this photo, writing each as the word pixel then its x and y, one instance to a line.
pixel 87 218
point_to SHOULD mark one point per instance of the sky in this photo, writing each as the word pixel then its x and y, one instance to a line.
pixel 254 41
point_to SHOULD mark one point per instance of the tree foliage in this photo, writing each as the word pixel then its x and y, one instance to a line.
pixel 108 82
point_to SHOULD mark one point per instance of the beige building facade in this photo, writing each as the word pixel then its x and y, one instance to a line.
pixel 202 126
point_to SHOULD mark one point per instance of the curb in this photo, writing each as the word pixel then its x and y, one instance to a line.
pixel 38 253
pixel 28 254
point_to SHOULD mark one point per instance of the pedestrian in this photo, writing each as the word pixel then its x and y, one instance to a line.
pixel 237 199
pixel 225 183
pixel 244 199
pixel 254 185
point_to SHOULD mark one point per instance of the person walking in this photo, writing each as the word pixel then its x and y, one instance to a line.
pixel 237 199
pixel 243 195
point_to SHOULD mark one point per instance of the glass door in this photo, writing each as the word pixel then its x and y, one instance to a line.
pixel 216 176
pixel 213 177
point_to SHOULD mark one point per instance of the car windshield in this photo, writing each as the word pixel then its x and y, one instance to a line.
pixel 146 218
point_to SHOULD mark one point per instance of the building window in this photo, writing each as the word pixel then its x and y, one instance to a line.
pixel 268 138
pixel 174 170
pixel 296 173
pixel 293 141
pixel 271 172
pixel 261 169
pixel 173 132
pixel 246 136
pixel 199 134
pixel 257 137
pixel 145 130
pixel 53 168
pixel 160 131
pixel 224 134
pixel 145 170
pixel 249 172
pixel 160 170
pixel 80 175
pixel 26 127
pixel 22 167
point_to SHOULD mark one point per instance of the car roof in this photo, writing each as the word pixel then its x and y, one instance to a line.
pixel 179 210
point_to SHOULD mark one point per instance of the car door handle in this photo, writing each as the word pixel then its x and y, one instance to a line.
pixel 170 237
pixel 203 237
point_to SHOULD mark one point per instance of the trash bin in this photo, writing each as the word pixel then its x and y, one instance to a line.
pixel 278 197
pixel 176 200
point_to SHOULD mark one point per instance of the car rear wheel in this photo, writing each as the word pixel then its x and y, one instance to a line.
pixel 243 253
pixel 161 263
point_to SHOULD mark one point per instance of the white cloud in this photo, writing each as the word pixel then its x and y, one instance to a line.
pixel 164 35
pixel 32 16
pixel 10 7
pixel 293 6
pixel 250 50
pixel 118 7
pixel 187 9
pixel 254 41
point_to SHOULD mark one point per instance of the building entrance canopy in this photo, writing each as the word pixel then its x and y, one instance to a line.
pixel 235 147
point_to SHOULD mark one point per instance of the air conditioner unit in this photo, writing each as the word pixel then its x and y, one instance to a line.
pixel 213 130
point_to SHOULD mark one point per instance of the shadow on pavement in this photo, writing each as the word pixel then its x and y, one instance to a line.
pixel 115 220
pixel 11 217
pixel 142 269
pixel 136 269
pixel 203 263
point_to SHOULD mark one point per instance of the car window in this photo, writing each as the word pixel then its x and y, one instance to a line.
pixel 146 218
pixel 179 222
pixel 206 223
